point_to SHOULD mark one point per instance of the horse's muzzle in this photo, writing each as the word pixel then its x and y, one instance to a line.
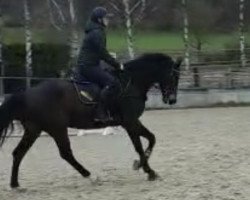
pixel 172 102
pixel 172 99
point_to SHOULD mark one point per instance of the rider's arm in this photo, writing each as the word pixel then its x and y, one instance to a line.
pixel 100 43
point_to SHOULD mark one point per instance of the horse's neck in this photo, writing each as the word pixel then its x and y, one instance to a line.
pixel 141 87
pixel 141 82
pixel 144 88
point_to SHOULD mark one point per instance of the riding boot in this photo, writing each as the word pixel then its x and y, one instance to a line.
pixel 102 108
pixel 101 114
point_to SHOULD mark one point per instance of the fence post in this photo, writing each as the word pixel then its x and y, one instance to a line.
pixel 196 77
pixel 229 78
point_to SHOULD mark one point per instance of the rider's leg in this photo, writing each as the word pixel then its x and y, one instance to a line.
pixel 108 96
pixel 110 89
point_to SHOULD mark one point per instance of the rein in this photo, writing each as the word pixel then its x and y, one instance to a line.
pixel 126 88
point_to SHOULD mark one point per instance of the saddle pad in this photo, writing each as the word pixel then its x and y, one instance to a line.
pixel 86 95
pixel 88 92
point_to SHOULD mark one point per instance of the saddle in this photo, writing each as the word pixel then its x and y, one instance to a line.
pixel 89 92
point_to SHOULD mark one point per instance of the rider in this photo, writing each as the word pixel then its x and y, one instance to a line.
pixel 93 50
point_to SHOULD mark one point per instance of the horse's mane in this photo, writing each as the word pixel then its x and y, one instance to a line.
pixel 146 60
pixel 154 57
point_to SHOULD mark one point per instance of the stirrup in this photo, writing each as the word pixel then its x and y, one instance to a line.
pixel 109 118
pixel 98 120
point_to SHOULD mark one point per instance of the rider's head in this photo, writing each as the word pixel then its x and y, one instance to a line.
pixel 100 15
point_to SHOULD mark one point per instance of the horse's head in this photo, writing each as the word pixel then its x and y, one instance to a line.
pixel 156 68
pixel 169 75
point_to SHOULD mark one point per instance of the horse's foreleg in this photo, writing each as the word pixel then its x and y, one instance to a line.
pixel 144 132
pixel 132 132
pixel 28 139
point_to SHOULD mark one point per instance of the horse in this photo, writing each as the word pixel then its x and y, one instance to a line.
pixel 54 105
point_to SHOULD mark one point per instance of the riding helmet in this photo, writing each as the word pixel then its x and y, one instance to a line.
pixel 100 12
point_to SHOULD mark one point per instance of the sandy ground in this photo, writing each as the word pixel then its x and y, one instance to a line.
pixel 201 154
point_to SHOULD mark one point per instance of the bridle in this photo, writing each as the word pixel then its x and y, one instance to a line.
pixel 177 71
pixel 167 91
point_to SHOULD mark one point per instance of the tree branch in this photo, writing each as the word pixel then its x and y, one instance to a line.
pixel 72 12
pixel 142 11
pixel 52 20
pixel 115 7
pixel 59 10
pixel 135 6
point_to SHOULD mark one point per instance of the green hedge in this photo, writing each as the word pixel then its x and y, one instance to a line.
pixel 48 61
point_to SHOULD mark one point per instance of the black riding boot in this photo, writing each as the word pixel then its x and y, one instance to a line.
pixel 102 114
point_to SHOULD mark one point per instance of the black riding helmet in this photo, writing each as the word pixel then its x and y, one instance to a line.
pixel 99 13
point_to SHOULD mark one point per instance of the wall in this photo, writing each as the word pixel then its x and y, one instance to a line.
pixel 201 98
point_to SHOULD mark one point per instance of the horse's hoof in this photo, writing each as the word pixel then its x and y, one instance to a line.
pixel 136 165
pixel 86 174
pixel 14 185
pixel 152 176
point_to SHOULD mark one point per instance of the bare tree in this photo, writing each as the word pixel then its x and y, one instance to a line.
pixel 131 11
pixel 1 54
pixel 129 28
pixel 57 18
pixel 200 28
pixel 74 38
pixel 28 42
pixel 242 36
pixel 186 33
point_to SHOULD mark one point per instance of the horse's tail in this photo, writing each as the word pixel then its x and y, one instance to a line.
pixel 8 110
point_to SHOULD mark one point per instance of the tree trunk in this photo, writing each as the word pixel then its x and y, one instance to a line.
pixel 242 36
pixel 128 23
pixel 74 39
pixel 1 56
pixel 28 43
pixel 186 34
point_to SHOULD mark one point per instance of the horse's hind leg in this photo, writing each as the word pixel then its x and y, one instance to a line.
pixel 31 133
pixel 62 140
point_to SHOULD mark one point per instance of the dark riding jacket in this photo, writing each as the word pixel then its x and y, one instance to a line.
pixel 94 49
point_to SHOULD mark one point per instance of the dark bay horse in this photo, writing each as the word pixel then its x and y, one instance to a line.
pixel 53 106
